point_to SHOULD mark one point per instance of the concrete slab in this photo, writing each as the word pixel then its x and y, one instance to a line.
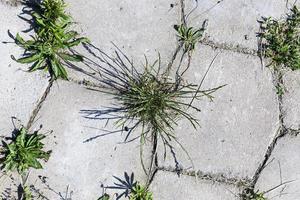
pixel 291 105
pixel 284 166
pixel 82 166
pixel 233 22
pixel 168 186
pixel 137 27
pixel 238 125
pixel 8 187
pixel 19 90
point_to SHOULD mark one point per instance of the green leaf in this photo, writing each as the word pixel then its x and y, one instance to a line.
pixel 35 164
pixel 36 15
pixel 70 35
pixel 19 39
pixel 77 42
pixel 74 57
pixel 104 197
pixel 40 21
pixel 37 65
pixel 63 72
pixel 27 59
pixel 54 68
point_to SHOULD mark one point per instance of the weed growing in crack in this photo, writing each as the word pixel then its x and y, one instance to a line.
pixel 132 189
pixel 281 41
pixel 189 36
pixel 27 193
pixel 24 152
pixel 251 194
pixel 50 47
pixel 140 192
pixel 279 90
pixel 148 101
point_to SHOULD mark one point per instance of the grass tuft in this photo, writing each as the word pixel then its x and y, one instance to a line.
pixel 149 101
pixel 281 41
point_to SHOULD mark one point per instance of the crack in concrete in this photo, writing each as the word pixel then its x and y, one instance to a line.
pixel 213 177
pixel 281 132
pixel 229 47
pixel 154 158
pixel 244 183
pixel 293 132
pixel 182 12
pixel 39 105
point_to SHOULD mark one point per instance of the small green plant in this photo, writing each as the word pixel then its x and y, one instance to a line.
pixel 189 36
pixel 140 192
pixel 279 90
pixel 24 152
pixel 281 41
pixel 252 195
pixel 132 189
pixel 50 48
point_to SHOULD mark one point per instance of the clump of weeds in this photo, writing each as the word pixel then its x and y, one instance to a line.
pixel 23 152
pixel 251 194
pixel 281 41
pixel 132 189
pixel 149 100
pixel 189 36
pixel 50 47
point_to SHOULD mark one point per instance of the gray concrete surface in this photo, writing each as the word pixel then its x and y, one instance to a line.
pixel 82 166
pixel 169 186
pixel 139 28
pixel 284 166
pixel 291 95
pixel 240 121
pixel 19 91
pixel 238 129
pixel 234 22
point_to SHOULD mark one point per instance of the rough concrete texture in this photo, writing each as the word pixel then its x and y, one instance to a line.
pixel 19 91
pixel 284 166
pixel 137 27
pixel 82 166
pixel 238 124
pixel 8 187
pixel 236 129
pixel 11 2
pixel 291 103
pixel 169 186
pixel 234 22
